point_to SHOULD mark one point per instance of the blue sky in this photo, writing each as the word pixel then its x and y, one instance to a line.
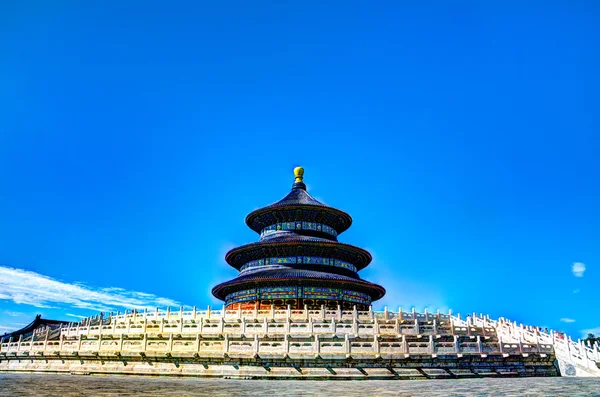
pixel 462 137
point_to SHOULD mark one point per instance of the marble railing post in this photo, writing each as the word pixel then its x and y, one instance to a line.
pixel 520 344
pixel 168 317
pixel 46 339
pixel 479 346
pixel 208 312
pixel 347 343
pixel 306 312
pixel 272 312
pixel 385 313
pixel 431 350
pixel 286 343
pixel 317 344
pixel 426 315
pixel 413 314
pixel 417 328
pixel 256 343
pixel 456 350
pixel 194 314
pixel 435 330
pixel 322 312
pixel 79 337
pixel 239 311
pixel 289 311
pixel 400 314
pixel 243 325
pixel 226 344
pixel 339 313
pixel 376 345
pixel 197 340
pixel 145 342
pixel 404 344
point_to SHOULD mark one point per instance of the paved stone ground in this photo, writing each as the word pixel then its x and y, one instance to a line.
pixel 40 385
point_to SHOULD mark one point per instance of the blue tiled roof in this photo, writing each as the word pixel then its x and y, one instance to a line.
pixel 296 276
pixel 288 243
pixel 297 198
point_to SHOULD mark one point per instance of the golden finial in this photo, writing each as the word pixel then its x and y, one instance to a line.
pixel 299 174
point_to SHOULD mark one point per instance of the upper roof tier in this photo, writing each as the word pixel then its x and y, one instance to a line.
pixel 298 205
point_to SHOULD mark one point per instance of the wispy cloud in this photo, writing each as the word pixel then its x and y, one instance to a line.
pixel 30 288
pixel 75 315
pixel 6 328
pixel 567 320
pixel 578 268
pixel 11 313
pixel 595 331
pixel 576 291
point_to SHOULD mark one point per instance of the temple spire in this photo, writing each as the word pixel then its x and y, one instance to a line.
pixel 299 179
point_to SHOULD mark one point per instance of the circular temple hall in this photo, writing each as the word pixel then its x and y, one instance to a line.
pixel 298 261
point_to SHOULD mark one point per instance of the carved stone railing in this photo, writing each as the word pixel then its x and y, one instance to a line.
pixel 585 356
pixel 295 333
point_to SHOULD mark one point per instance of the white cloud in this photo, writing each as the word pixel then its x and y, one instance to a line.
pixel 75 315
pixel 11 313
pixel 576 291
pixel 7 328
pixel 567 320
pixel 30 288
pixel 595 331
pixel 578 268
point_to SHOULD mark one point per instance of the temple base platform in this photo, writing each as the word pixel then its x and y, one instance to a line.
pixel 417 367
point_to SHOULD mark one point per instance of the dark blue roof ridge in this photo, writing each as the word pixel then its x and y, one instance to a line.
pixel 294 240
pixel 298 198
pixel 296 276
pixel 36 323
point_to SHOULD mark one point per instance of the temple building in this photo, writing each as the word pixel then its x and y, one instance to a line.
pixel 298 261
pixel 297 310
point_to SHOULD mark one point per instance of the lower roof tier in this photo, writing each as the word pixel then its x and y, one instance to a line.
pixel 297 277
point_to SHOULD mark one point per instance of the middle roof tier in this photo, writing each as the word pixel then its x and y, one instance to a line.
pixel 285 244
